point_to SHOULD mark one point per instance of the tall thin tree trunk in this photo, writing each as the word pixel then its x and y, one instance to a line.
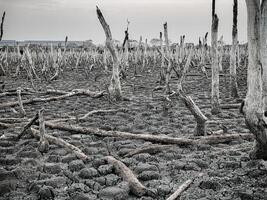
pixel 215 107
pixel 233 56
pixel 253 107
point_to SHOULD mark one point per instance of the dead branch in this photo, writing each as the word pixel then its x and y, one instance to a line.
pixel 60 142
pixel 196 112
pixel 70 94
pixel 213 139
pixel 182 188
pixel 136 187
pixel 31 122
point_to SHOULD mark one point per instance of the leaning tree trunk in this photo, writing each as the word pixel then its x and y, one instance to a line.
pixel 233 56
pixel 253 107
pixel 115 85
pixel 215 107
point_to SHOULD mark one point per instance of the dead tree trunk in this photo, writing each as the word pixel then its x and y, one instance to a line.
pixel 115 85
pixel 215 107
pixel 43 143
pixel 2 71
pixel 2 26
pixel 233 56
pixel 254 110
pixel 162 71
pixel 169 67
pixel 264 52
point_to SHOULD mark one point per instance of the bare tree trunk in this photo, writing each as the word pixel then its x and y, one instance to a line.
pixel 233 56
pixel 253 107
pixel 115 85
pixel 169 67
pixel 264 52
pixel 215 107
pixel 2 26
pixel 162 73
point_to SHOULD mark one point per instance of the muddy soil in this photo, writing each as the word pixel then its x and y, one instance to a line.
pixel 25 173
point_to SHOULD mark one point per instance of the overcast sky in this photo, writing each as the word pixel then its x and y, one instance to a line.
pixel 54 19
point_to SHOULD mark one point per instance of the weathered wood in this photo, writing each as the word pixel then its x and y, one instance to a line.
pixel 182 188
pixel 194 109
pixel 115 85
pixel 62 143
pixel 135 186
pixel 216 139
pixel 254 111
pixel 31 122
pixel 70 94
pixel 233 55
pixel 215 107
pixel 43 145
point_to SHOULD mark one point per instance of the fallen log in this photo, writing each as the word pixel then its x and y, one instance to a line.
pixel 70 94
pixel 135 186
pixel 213 139
pixel 182 188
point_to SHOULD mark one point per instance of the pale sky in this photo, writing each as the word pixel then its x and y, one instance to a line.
pixel 54 19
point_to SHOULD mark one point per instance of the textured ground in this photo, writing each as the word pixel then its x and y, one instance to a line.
pixel 228 172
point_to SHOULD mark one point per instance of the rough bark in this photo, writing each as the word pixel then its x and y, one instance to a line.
pixel 233 56
pixel 115 84
pixel 215 69
pixel 254 105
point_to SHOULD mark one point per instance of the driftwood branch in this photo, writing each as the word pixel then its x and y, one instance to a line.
pixel 31 122
pixel 182 188
pixel 136 187
pixel 213 139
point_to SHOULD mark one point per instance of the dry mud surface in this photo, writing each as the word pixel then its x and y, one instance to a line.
pixel 228 172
